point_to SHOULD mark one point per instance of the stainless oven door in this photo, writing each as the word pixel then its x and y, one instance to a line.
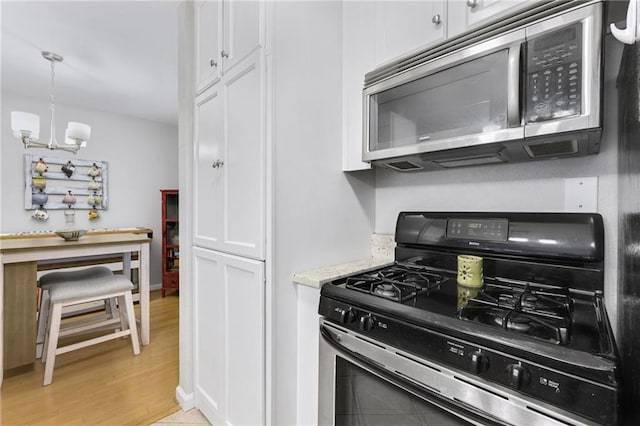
pixel 365 382
pixel 355 391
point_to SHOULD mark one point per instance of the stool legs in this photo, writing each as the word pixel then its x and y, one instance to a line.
pixel 110 307
pixel 43 316
pixel 131 316
pixel 129 328
pixel 51 341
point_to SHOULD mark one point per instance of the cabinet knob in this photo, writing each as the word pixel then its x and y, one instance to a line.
pixel 437 19
pixel 217 163
pixel 472 3
pixel 213 63
pixel 224 54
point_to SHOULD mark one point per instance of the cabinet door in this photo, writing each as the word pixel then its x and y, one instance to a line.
pixel 244 340
pixel 229 299
pixel 243 199
pixel 243 28
pixel 472 14
pixel 209 334
pixel 404 26
pixel 208 42
pixel 208 177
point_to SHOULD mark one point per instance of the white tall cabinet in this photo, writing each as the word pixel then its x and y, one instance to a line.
pixel 228 229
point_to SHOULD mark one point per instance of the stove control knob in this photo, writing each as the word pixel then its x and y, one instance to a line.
pixel 479 362
pixel 347 316
pixel 519 376
pixel 367 322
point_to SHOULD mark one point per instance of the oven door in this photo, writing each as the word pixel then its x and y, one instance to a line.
pixel 353 390
pixel 366 382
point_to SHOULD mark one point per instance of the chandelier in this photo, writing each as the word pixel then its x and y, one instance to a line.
pixel 26 126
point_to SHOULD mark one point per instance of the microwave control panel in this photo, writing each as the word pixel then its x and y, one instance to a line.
pixel 554 75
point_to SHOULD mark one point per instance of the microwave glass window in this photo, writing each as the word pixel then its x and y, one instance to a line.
pixel 465 99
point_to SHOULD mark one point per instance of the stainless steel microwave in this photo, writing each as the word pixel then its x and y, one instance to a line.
pixel 528 89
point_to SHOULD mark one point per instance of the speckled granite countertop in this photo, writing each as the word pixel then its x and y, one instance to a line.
pixel 382 253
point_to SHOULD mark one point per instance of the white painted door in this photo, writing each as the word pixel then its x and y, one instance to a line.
pixel 229 305
pixel 243 200
pixel 208 29
pixel 244 340
pixel 208 177
pixel 243 30
pixel 209 334
pixel 229 160
pixel 405 26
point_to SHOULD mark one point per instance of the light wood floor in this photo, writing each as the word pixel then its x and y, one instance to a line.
pixel 103 384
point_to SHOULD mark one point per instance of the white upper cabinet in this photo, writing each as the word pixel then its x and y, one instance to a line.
pixel 208 42
pixel 404 26
pixel 229 162
pixel 226 33
pixel 471 14
pixel 243 31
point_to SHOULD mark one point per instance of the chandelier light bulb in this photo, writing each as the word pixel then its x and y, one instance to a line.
pixel 77 133
pixel 26 126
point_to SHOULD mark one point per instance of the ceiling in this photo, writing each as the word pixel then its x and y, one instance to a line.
pixel 119 56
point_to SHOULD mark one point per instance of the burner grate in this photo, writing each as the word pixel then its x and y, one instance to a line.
pixel 400 283
pixel 538 312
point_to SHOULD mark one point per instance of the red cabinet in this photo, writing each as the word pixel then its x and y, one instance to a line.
pixel 170 241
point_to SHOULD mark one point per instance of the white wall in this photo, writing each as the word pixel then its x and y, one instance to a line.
pixel 142 157
pixel 321 216
pixel 533 186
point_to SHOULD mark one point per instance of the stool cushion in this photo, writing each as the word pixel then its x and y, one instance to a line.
pixel 94 287
pixel 53 278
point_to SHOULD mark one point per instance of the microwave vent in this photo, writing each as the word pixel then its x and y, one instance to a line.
pixel 472 161
pixel 404 166
pixel 552 149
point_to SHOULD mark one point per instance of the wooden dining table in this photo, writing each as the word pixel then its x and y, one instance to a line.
pixel 19 258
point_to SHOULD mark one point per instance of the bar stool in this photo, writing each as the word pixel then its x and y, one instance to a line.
pixel 53 278
pixel 74 292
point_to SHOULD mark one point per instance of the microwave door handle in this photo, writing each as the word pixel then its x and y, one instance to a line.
pixel 513 85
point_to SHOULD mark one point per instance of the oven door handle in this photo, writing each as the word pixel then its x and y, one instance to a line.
pixel 332 338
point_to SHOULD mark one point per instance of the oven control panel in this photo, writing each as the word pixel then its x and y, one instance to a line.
pixel 478 229
pixel 522 376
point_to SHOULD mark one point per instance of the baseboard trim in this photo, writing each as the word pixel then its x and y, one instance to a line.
pixel 186 400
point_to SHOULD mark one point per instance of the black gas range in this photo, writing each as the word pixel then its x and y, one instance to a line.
pixel 533 345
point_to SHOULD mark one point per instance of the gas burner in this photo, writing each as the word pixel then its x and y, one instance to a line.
pixel 518 323
pixel 385 290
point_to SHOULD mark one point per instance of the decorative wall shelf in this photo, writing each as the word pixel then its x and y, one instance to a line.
pixel 58 184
